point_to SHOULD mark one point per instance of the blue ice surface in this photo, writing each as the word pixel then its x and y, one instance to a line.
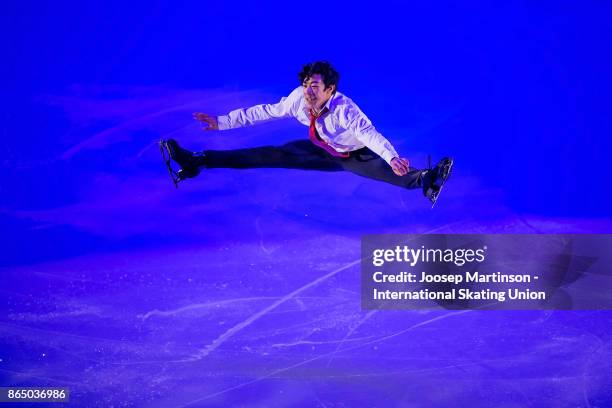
pixel 241 288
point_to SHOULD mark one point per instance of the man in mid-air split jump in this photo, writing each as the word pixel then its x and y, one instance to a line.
pixel 340 137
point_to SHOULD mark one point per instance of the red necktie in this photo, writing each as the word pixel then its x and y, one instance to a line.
pixel 316 139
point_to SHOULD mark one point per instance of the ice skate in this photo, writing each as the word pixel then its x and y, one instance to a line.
pixel 438 177
pixel 187 161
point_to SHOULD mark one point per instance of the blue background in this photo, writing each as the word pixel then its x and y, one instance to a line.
pixel 518 92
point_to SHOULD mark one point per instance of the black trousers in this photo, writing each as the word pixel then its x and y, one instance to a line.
pixel 303 154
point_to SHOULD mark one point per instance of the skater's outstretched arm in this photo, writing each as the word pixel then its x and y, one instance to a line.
pixel 286 107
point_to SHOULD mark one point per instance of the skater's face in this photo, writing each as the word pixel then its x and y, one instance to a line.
pixel 315 93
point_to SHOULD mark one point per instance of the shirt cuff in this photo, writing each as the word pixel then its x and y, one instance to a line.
pixel 388 156
pixel 223 122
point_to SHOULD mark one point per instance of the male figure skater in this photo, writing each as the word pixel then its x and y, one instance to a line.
pixel 340 137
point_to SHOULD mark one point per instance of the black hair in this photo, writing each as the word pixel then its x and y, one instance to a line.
pixel 323 68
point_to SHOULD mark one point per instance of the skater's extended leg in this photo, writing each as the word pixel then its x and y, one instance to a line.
pixel 299 154
pixel 302 154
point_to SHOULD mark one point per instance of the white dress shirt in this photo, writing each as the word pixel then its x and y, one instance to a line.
pixel 345 127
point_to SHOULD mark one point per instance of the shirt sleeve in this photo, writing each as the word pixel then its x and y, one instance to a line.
pixel 260 113
pixel 367 134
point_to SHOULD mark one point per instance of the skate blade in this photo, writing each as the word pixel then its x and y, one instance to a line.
pixel 166 158
pixel 445 177
pixel 435 200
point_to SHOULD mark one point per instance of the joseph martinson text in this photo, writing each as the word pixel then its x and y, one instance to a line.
pixel 459 293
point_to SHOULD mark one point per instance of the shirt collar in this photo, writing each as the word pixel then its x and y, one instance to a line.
pixel 328 104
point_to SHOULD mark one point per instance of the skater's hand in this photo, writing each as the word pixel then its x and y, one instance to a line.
pixel 210 121
pixel 400 166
